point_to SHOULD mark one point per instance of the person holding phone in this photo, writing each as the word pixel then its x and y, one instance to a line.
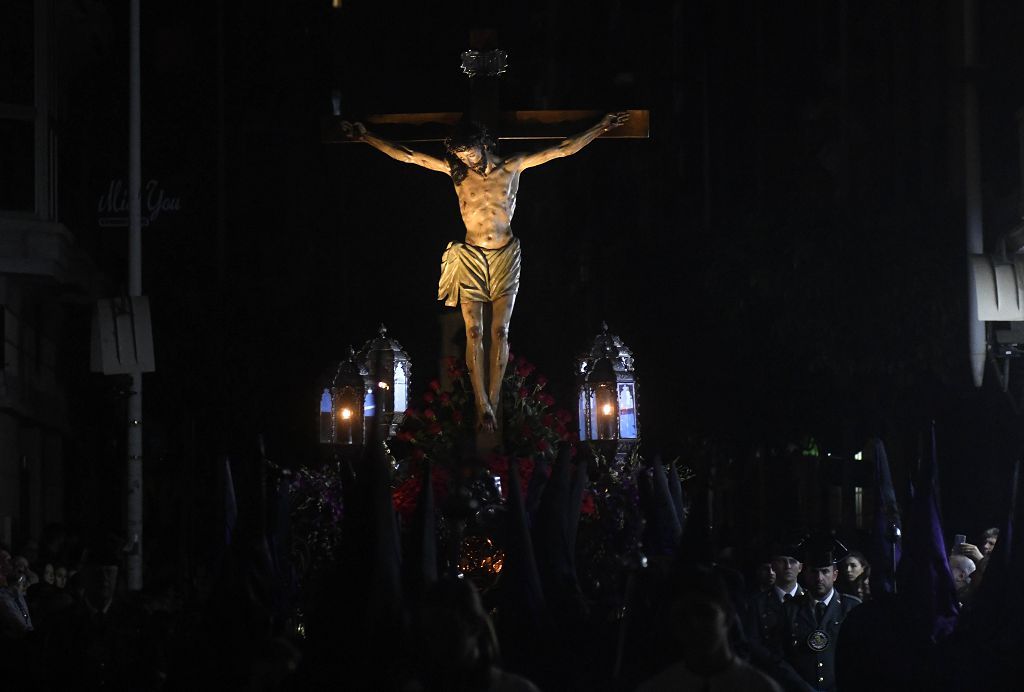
pixel 988 543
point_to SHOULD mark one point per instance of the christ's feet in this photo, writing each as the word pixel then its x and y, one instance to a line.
pixel 486 419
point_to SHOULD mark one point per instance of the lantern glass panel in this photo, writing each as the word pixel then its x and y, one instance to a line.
pixel 606 413
pixel 326 418
pixel 593 415
pixel 348 420
pixel 627 411
pixel 369 408
pixel 583 413
pixel 401 389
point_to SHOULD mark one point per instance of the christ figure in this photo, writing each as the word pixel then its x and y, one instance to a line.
pixel 484 268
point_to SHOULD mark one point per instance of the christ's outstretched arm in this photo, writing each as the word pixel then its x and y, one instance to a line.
pixel 396 151
pixel 571 145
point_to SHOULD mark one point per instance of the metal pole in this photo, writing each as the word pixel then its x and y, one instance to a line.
pixel 133 510
pixel 972 191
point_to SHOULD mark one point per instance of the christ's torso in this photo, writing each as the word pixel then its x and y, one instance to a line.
pixel 487 202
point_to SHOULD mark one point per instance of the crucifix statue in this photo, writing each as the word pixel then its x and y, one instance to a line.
pixel 485 267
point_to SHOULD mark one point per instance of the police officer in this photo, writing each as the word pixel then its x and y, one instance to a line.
pixel 764 612
pixel 811 622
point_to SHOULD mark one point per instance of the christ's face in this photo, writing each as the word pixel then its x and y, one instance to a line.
pixel 472 156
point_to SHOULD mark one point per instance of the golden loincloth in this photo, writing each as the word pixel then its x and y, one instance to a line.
pixel 473 273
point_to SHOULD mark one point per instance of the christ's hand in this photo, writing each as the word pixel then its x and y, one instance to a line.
pixel 613 120
pixel 354 131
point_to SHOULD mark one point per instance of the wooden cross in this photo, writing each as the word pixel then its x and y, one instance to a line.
pixel 504 125
pixel 511 125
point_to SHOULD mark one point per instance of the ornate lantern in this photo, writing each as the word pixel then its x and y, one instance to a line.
pixel 389 370
pixel 607 395
pixel 343 402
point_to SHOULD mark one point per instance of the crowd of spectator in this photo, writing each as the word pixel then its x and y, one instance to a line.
pixel 770 624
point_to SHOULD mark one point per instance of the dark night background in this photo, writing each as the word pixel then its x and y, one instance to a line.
pixel 784 254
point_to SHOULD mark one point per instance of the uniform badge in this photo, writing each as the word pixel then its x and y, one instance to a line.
pixel 817 641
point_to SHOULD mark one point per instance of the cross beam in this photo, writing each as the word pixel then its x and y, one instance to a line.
pixel 435 127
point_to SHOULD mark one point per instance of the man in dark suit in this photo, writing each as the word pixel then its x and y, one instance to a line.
pixel 811 624
pixel 764 611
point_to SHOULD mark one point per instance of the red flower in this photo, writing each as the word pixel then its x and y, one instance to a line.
pixel 404 496
pixel 454 367
pixel 434 429
pixel 547 420
pixel 417 454
pixel 405 436
pixel 445 398
pixel 588 505
pixel 542 381
pixel 457 417
pixel 429 414
pixel 564 416
pixel 543 445
pixel 429 397
pixel 546 399
pixel 435 385
pixel 523 392
pixel 525 369
pixel 412 413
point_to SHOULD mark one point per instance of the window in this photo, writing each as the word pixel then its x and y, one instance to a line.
pixel 17 53
pixel 17 174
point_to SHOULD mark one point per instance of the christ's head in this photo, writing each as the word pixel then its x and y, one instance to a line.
pixel 468 149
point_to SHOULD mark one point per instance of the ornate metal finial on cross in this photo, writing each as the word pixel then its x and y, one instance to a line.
pixel 490 63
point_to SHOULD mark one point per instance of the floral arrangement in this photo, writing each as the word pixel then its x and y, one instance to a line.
pixel 438 429
pixel 445 422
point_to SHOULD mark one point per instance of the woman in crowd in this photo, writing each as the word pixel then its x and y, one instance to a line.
pixel 855 576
